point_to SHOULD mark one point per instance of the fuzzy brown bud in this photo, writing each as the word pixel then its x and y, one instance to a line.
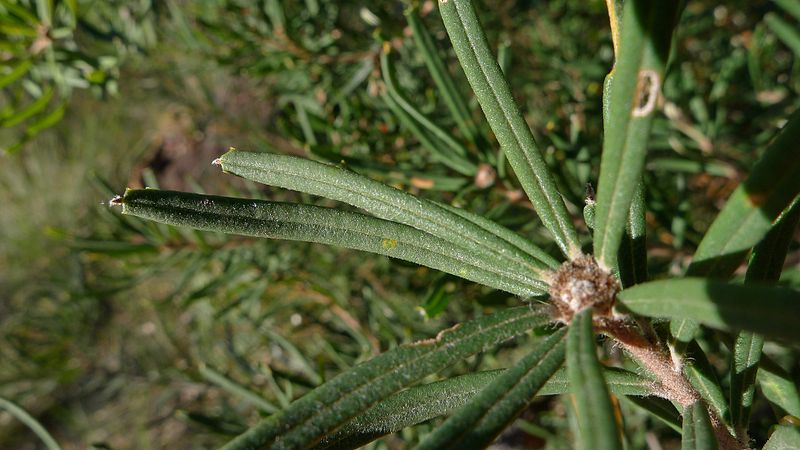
pixel 580 284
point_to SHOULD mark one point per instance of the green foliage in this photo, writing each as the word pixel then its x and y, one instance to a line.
pixel 46 57
pixel 295 346
pixel 366 401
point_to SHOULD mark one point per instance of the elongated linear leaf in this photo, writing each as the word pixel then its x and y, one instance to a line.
pixel 477 424
pixel 336 402
pixel 322 225
pixel 785 30
pixel 638 75
pixel 633 249
pixel 446 156
pixel 790 6
pixel 619 382
pixel 20 414
pixel 660 408
pixel 748 215
pixel 421 403
pixel 703 377
pixel 697 431
pixel 237 389
pixel 596 418
pixel 450 149
pixel 504 234
pixel 381 200
pixel 766 265
pixel 752 208
pixel 720 305
pixel 506 120
pixel 445 84
pixel 409 407
pixel 779 387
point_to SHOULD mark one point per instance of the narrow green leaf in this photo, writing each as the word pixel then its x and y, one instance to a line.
pixel 747 216
pixel 445 84
pixel 720 305
pixel 29 111
pixel 447 157
pixel 30 422
pixel 419 404
pixel 409 407
pixel 237 389
pixel 619 382
pixel 784 437
pixel 766 265
pixel 697 431
pixel 505 234
pixel 703 377
pixel 633 249
pixel 786 31
pixel 778 386
pixel 752 208
pixel 596 418
pixel 381 200
pixel 322 225
pixel 477 424
pixel 507 122
pixel 790 6
pixel 459 152
pixel 660 408
pixel 336 402
pixel 746 356
pixel 17 71
pixel 637 79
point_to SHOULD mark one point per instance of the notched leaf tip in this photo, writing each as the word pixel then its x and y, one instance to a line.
pixel 117 200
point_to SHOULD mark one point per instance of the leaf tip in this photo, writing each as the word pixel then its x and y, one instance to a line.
pixel 117 200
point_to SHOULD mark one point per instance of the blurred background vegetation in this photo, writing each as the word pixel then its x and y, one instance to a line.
pixel 117 333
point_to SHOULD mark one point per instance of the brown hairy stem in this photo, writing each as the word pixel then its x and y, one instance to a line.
pixel 672 384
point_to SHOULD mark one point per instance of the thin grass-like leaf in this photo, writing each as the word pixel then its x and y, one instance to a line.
pixel 445 84
pixel 720 305
pixel 237 389
pixel 453 150
pixel 320 412
pixel 660 408
pixel 596 418
pixel 448 158
pixel 703 377
pixel 633 249
pixel 409 407
pixel 766 265
pixel 637 79
pixel 752 208
pixel 747 216
pixel 322 225
pixel 476 424
pixel 697 431
pixel 20 414
pixel 421 403
pixel 383 201
pixel 785 30
pixel 507 122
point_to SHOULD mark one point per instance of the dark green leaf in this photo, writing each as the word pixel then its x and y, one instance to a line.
pixel 697 431
pixel 475 425
pixel 506 120
pixel 596 418
pixel 323 225
pixel 720 305
pixel 338 401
